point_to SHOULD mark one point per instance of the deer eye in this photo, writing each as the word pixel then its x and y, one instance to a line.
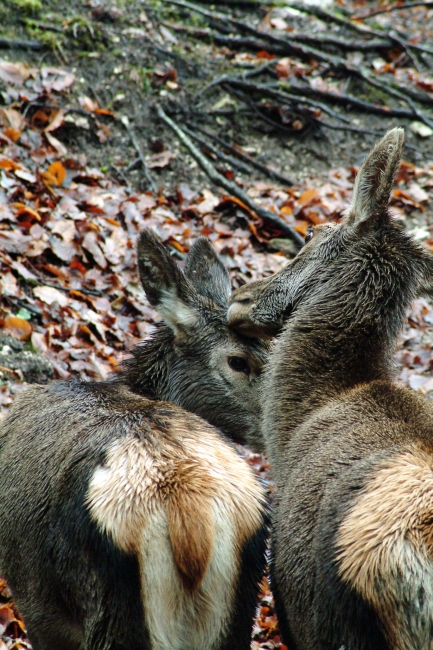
pixel 239 365
pixel 309 235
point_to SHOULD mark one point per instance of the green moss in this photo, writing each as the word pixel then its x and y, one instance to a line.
pixel 28 6
pixel 53 40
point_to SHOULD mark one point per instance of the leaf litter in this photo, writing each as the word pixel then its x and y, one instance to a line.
pixel 69 285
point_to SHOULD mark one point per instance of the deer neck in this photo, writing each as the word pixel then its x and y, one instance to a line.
pixel 147 372
pixel 322 353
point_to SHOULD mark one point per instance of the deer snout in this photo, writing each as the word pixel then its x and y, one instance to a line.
pixel 239 313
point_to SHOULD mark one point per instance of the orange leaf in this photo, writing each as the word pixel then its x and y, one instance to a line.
pixel 19 328
pixel 301 227
pixel 103 111
pixel 57 171
pixel 177 245
pixel 286 209
pixel 22 208
pixel 307 197
pixel 8 164
pixel 263 54
pixel 233 199
pixel 12 134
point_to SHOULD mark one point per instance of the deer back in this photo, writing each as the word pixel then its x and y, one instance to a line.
pixel 351 452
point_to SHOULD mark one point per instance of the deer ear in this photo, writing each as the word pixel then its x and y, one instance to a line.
pixel 376 177
pixel 166 287
pixel 207 273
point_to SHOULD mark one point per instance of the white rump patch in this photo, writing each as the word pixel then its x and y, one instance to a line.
pixel 177 618
pixel 128 499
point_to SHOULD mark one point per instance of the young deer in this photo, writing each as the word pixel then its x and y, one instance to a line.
pixel 351 451
pixel 126 521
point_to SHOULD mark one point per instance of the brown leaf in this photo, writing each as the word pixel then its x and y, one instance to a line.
pixel 14 73
pixel 20 328
pixel 56 173
pixel 90 243
pixel 160 159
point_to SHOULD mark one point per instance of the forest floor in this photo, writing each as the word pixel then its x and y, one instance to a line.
pixel 286 109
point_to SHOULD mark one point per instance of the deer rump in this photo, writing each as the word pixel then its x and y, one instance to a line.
pixel 125 522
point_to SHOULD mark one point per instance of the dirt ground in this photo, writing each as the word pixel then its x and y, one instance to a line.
pixel 124 53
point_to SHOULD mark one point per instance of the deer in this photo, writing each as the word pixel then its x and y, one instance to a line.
pixel 127 520
pixel 351 450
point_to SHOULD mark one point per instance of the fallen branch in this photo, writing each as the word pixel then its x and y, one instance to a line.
pixel 137 147
pixel 399 95
pixel 406 5
pixel 359 28
pixel 228 185
pixel 276 176
pixel 26 45
pixel 286 97
pixel 276 91
pixel 285 45
pixel 229 160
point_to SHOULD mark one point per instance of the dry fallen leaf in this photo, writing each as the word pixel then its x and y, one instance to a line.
pixel 19 328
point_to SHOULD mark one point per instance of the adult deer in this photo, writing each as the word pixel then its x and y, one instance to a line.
pixel 351 451
pixel 127 521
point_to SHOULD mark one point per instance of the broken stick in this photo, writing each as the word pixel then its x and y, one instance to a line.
pixel 137 147
pixel 227 184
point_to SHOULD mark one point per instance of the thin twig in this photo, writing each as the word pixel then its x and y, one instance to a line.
pixel 29 22
pixel 134 141
pixel 133 165
pixel 219 154
pixel 406 5
pixel 359 28
pixel 276 125
pixel 276 92
pixel 26 45
pixel 228 185
pixel 254 163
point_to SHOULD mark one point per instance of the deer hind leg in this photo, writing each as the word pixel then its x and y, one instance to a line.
pixel 385 548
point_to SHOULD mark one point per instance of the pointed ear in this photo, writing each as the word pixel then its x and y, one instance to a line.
pixel 376 177
pixel 207 273
pixel 166 287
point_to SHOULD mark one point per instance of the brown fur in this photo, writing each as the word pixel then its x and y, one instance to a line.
pixel 191 530
pixel 126 520
pixel 183 474
pixel 351 452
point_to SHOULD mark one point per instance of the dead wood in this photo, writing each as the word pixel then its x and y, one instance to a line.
pixel 229 160
pixel 227 184
pixel 25 45
pixel 271 173
pixel 137 147
pixel 406 5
